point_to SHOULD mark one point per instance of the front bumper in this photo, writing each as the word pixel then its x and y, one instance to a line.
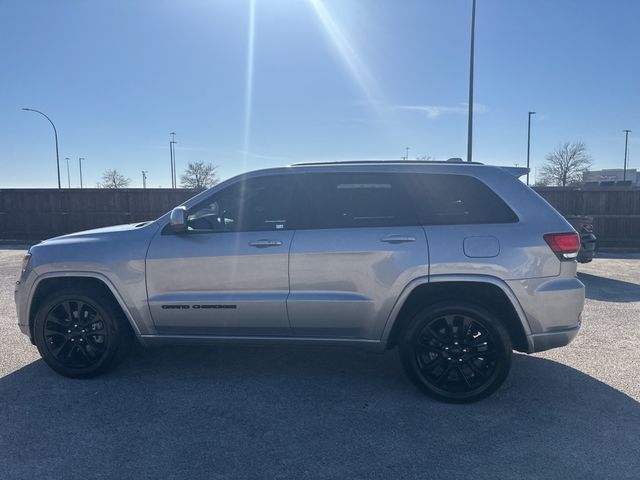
pixel 21 293
pixel 549 340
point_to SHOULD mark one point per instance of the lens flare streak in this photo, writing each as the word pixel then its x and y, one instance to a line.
pixel 356 67
pixel 248 102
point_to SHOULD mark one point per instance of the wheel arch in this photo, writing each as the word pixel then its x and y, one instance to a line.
pixel 489 292
pixel 49 283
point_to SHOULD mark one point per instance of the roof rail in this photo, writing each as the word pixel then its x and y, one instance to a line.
pixel 387 162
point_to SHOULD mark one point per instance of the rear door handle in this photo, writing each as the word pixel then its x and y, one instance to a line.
pixel 398 239
pixel 264 243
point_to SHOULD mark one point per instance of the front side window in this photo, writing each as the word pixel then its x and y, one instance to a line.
pixel 258 204
pixel 354 200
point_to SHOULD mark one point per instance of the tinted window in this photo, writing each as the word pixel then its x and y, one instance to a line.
pixel 459 199
pixel 250 205
pixel 359 200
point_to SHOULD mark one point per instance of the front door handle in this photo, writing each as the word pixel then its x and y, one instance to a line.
pixel 264 243
pixel 398 239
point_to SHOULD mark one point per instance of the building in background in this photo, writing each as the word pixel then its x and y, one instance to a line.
pixel 611 177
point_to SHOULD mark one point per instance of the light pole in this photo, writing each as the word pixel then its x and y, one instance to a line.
pixel 529 143
pixel 470 119
pixel 172 151
pixel 144 178
pixel 68 173
pixel 80 163
pixel 626 145
pixel 55 133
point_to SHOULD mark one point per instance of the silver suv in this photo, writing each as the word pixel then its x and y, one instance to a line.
pixel 456 264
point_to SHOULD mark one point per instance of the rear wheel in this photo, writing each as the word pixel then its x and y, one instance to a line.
pixel 81 332
pixel 456 352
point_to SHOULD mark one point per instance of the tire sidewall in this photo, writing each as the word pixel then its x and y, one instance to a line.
pixel 487 320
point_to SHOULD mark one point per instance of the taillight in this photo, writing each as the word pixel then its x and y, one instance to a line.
pixel 564 245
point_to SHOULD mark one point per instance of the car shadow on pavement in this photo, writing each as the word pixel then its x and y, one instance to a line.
pixel 609 289
pixel 314 412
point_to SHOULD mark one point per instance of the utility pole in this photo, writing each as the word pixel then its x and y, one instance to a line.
pixel 529 143
pixel 80 164
pixel 406 155
pixel 144 178
pixel 68 173
pixel 626 150
pixel 172 151
pixel 470 119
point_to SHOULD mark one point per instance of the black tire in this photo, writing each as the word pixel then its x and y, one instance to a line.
pixel 456 352
pixel 81 332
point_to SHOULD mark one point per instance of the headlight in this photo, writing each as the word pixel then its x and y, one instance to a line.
pixel 25 261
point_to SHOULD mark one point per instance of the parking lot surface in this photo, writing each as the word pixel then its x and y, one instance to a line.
pixel 316 412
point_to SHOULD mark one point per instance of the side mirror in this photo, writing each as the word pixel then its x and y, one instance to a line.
pixel 178 219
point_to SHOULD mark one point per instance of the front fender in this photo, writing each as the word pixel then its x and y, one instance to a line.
pixel 137 315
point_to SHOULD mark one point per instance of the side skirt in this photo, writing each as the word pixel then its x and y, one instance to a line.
pixel 157 340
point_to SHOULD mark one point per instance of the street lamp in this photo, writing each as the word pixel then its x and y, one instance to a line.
pixel 80 164
pixel 470 119
pixel 172 151
pixel 68 173
pixel 529 143
pixel 626 144
pixel 55 132
pixel 144 178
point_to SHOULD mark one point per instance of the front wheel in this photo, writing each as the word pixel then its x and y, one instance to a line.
pixel 456 352
pixel 80 332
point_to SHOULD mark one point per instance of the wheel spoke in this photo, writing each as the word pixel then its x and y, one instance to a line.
pixel 68 308
pixel 457 327
pixel 82 349
pixel 442 378
pixel 57 349
pixel 92 350
pixel 53 328
pixel 474 368
pixel 425 349
pixel 464 377
pixel 437 335
pixel 489 355
pixel 429 366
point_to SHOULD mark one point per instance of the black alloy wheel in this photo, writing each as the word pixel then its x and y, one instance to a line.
pixel 75 334
pixel 81 333
pixel 456 352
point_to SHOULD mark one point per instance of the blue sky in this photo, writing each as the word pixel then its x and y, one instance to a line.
pixel 331 79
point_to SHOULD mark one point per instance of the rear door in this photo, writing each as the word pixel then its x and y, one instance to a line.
pixel 362 245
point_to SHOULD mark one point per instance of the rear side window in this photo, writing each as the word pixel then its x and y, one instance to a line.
pixel 445 199
pixel 354 200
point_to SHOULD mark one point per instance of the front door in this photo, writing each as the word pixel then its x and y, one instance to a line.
pixel 228 274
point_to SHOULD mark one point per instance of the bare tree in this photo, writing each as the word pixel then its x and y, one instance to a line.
pixel 111 178
pixel 565 165
pixel 199 175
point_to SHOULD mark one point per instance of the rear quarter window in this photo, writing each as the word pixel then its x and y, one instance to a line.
pixel 445 199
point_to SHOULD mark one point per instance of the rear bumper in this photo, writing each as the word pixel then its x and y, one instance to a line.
pixel 549 340
pixel 553 308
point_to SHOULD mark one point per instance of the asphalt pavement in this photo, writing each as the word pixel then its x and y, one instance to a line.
pixel 234 412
